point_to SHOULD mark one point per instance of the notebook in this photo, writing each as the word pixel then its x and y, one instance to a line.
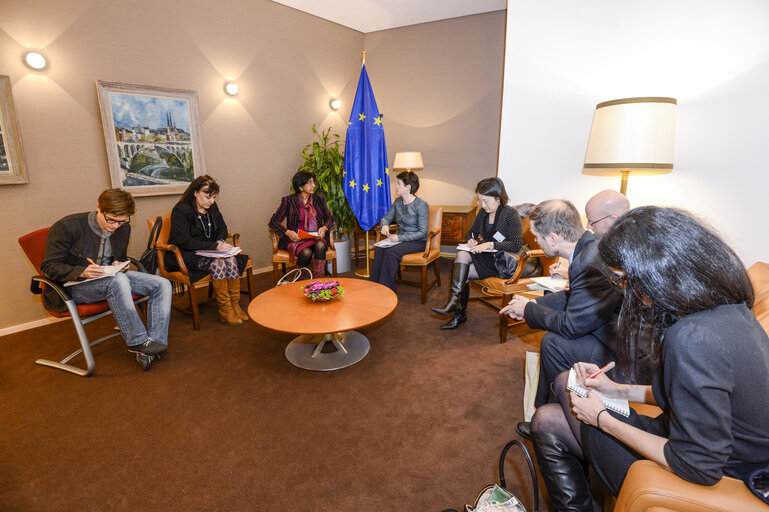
pixel 613 404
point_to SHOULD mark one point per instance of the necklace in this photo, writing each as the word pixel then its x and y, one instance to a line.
pixel 207 221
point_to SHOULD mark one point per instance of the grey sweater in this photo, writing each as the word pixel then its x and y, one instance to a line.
pixel 411 219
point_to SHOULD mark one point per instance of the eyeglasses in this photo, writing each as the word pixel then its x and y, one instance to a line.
pixel 594 222
pixel 617 279
pixel 110 220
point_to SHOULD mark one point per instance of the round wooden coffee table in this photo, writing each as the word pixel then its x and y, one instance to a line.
pixel 286 309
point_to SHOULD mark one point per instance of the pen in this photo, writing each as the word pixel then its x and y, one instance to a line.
pixel 91 261
pixel 604 369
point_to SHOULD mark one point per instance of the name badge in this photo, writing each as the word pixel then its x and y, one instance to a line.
pixel 499 237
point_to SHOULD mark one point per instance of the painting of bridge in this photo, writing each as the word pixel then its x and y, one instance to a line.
pixel 152 137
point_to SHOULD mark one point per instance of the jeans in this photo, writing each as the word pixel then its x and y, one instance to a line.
pixel 117 290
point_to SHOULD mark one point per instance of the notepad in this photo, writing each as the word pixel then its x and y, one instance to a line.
pixel 220 254
pixel 385 242
pixel 307 235
pixel 613 404
pixel 109 271
pixel 553 284
pixel 465 247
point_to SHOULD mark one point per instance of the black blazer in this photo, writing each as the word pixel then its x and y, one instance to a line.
pixel 508 223
pixel 588 307
pixel 188 235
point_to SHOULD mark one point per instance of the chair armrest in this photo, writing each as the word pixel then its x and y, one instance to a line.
pixel 161 248
pixel 235 239
pixel 274 237
pixel 331 243
pixel 534 253
pixel 648 486
pixel 430 236
pixel 34 287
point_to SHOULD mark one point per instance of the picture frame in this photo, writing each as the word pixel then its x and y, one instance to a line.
pixel 13 168
pixel 152 136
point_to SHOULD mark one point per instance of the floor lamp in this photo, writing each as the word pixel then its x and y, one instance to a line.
pixel 405 161
pixel 631 135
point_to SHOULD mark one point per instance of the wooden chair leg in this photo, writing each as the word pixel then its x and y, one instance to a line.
pixel 194 307
pixel 504 321
pixel 275 274
pixel 424 284
pixel 437 267
pixel 250 283
pixel 333 266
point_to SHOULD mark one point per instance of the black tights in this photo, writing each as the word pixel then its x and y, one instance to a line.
pixel 305 256
pixel 557 418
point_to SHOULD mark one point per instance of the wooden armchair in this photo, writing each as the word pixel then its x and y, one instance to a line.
pixel 281 258
pixel 182 276
pixel 497 292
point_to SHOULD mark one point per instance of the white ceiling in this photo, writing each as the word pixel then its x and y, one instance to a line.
pixel 372 15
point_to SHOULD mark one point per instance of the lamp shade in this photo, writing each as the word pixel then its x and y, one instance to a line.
pixel 632 135
pixel 411 160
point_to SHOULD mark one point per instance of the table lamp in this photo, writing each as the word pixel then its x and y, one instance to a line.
pixel 631 135
pixel 408 161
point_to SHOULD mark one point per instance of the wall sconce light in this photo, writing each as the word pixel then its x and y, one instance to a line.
pixel 335 104
pixel 231 88
pixel 35 60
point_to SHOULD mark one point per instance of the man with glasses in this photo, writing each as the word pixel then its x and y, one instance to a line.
pixel 78 248
pixel 579 321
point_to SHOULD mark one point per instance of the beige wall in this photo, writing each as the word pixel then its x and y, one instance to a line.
pixel 287 63
pixel 439 86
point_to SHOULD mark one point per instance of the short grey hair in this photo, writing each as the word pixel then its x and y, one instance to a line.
pixel 557 216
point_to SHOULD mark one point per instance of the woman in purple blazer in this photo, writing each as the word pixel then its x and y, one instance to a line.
pixel 304 210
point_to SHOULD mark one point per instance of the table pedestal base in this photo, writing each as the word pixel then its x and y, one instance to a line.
pixel 306 351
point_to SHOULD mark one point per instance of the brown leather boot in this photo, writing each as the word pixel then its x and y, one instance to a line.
pixel 233 285
pixel 318 268
pixel 222 295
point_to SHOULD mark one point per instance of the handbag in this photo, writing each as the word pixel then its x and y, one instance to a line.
pixel 149 259
pixel 496 497
pixel 507 262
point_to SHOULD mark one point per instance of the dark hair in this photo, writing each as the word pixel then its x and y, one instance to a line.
pixel 557 216
pixel 300 179
pixel 205 183
pixel 675 265
pixel 410 179
pixel 493 187
pixel 117 202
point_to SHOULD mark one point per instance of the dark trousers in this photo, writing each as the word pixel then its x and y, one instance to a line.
pixel 558 354
pixel 386 262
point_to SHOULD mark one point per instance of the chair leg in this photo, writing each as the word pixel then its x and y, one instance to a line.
pixel 250 282
pixel 424 284
pixel 504 321
pixel 275 273
pixel 436 266
pixel 333 266
pixel 194 307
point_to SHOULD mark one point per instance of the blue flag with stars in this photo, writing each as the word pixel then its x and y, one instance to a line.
pixel 366 180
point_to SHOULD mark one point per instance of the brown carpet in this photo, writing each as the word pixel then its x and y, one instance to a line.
pixel 225 422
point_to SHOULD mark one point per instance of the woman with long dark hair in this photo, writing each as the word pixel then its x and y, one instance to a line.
pixel 197 225
pixel 687 312
pixel 496 227
pixel 307 232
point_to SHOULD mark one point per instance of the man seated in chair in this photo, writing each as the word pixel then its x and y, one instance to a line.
pixel 581 320
pixel 80 245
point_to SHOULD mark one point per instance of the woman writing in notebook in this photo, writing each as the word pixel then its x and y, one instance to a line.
pixel 687 312
pixel 497 227
pixel 308 224
pixel 197 225
pixel 411 214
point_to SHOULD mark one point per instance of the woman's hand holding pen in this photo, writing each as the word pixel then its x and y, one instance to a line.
pixel 221 245
pixel 600 382
pixel 476 247
pixel 587 409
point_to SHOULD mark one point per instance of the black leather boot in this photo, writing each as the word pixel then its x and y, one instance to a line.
pixel 460 316
pixel 461 272
pixel 563 473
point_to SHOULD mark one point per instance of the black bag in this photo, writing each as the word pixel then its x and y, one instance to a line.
pixel 150 257
pixel 506 263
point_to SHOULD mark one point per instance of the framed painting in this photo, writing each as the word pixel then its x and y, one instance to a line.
pixel 153 137
pixel 13 170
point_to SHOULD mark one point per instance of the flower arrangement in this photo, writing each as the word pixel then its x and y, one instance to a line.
pixel 322 290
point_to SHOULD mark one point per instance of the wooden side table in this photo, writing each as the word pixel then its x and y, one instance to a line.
pixel 456 222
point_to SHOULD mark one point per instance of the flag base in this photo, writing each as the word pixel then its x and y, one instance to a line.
pixel 363 272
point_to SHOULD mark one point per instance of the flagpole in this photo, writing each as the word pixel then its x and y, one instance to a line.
pixel 363 58
pixel 361 272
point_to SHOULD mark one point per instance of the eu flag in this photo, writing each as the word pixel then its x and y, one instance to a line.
pixel 366 180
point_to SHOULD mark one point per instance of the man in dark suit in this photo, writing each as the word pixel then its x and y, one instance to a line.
pixel 580 320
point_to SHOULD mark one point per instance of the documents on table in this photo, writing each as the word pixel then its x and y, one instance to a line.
pixel 384 243
pixel 465 247
pixel 219 254
pixel 550 283
pixel 109 271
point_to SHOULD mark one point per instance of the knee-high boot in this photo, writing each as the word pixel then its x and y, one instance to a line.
pixel 222 295
pixel 318 268
pixel 460 316
pixel 563 473
pixel 233 286
pixel 461 272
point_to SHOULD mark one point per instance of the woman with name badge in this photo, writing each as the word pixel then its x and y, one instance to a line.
pixel 306 235
pixel 686 311
pixel 197 225
pixel 497 228
pixel 411 214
